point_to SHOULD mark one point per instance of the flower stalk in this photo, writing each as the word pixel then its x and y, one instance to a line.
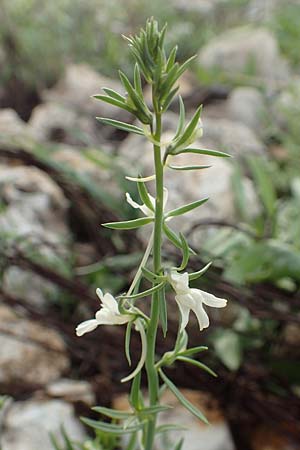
pixel 161 72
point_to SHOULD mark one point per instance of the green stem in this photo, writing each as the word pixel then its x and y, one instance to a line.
pixel 152 375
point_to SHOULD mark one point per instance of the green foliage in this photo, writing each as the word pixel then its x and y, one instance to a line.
pixel 286 27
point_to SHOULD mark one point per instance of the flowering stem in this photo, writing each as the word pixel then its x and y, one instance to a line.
pixel 152 328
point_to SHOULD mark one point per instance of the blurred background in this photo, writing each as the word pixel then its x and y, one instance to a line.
pixel 62 174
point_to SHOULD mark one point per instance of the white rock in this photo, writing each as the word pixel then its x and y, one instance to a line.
pixel 29 352
pixel 76 87
pixel 241 50
pixel 28 425
pixel 55 122
pixel 201 7
pixel 72 391
pixel 246 105
pixel 13 130
pixel 34 212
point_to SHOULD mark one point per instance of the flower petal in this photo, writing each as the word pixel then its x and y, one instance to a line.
pixel 99 293
pixel 145 210
pixel 213 301
pixel 201 315
pixel 131 202
pixel 110 303
pixel 180 282
pixel 184 312
pixel 86 327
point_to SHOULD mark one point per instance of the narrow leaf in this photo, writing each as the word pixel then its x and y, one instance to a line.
pixel 195 275
pixel 185 252
pixel 153 410
pixel 114 94
pixel 172 58
pixel 121 125
pixel 186 403
pixel 163 312
pixel 152 277
pixel 204 151
pixel 144 195
pixel 113 413
pixel 195 167
pixel 134 397
pixel 137 80
pixel 181 120
pixel 196 363
pixel 144 293
pixel 127 342
pixel 129 224
pixel 191 127
pixel 117 430
pixel 193 351
pixel 186 208
pixel 115 102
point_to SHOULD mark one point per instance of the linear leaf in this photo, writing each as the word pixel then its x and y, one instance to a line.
pixel 163 312
pixel 186 403
pixel 127 342
pixel 181 120
pixel 193 351
pixel 121 125
pixel 151 410
pixel 114 94
pixel 117 430
pixel 186 208
pixel 195 275
pixel 195 167
pixel 128 224
pixel 151 276
pixel 134 397
pixel 185 252
pixel 196 363
pixel 204 151
pixel 172 58
pixel 114 102
pixel 113 413
pixel 144 195
pixel 144 293
pixel 190 128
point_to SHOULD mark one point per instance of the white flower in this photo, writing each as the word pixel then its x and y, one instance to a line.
pixel 193 299
pixel 108 314
pixel 145 210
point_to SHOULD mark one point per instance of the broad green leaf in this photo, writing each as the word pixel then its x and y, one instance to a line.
pixel 199 273
pixel 129 224
pixel 144 195
pixel 163 312
pixel 186 208
pixel 186 403
pixel 185 252
pixel 121 125
pixel 113 413
pixel 196 363
pixel 127 342
pixel 195 167
pixel 193 351
pixel 117 430
pixel 203 151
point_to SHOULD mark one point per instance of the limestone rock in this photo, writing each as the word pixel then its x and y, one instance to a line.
pixel 12 129
pixel 28 425
pixel 72 391
pixel 246 105
pixel 34 212
pixel 246 50
pixel 29 352
pixel 55 122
